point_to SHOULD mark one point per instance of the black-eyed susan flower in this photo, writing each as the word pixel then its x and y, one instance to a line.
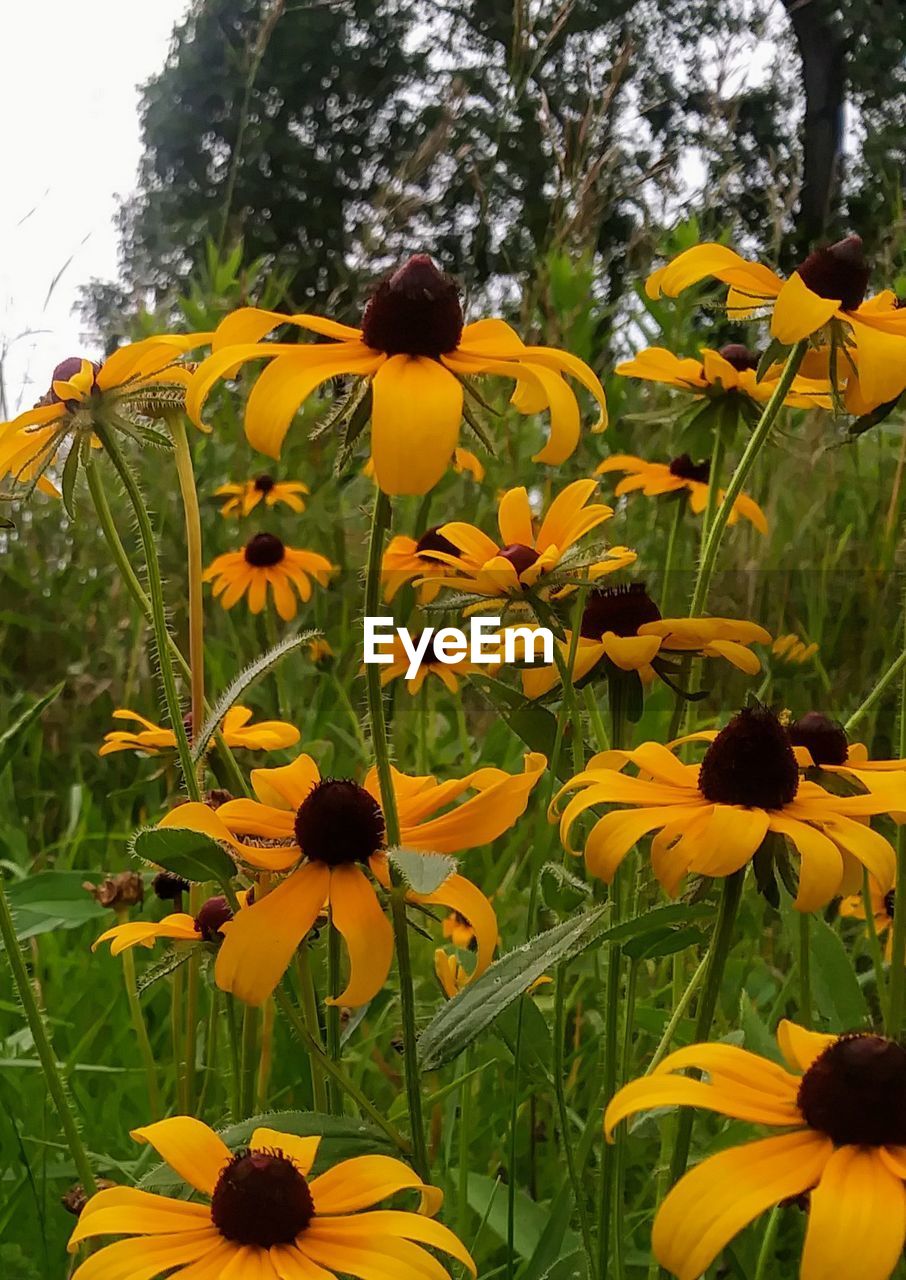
pixel 657 478
pixel 406 559
pixel 730 371
pixel 820 743
pixel 178 927
pixel 842 1105
pixel 526 556
pixel 622 627
pixel 135 383
pixel 448 673
pixel 266 561
pixel 242 499
pixel 882 907
pixel 264 1215
pixel 826 290
pixel 790 649
pixel 326 833
pixel 415 352
pixel 712 818
pixel 238 730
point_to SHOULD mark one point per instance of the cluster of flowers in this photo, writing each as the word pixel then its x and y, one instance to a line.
pixel 306 844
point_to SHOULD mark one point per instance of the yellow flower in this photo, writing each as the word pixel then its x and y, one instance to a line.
pixel 829 286
pixel 459 931
pixel 524 556
pixel 264 1214
pixel 451 975
pixel 406 558
pixel 414 352
pixel 655 478
pixel 623 626
pixel 319 651
pixel 730 370
pixel 841 1104
pixel 448 673
pixel 790 648
pixel 123 384
pixel 264 562
pixel 882 909
pixel 712 818
pixel 822 743
pixel 151 740
pixel 179 927
pixel 326 832
pixel 244 498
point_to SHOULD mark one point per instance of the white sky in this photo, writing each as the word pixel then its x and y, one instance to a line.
pixel 69 146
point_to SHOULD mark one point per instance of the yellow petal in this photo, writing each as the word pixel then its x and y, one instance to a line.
pixel 799 1046
pixel 364 1181
pixel 189 1147
pixel 366 931
pixel 382 1224
pixel 514 518
pixel 629 653
pixel 143 1258
pixel 710 259
pixel 414 424
pixel 857 1219
pixel 798 312
pixel 302 1151
pixel 462 896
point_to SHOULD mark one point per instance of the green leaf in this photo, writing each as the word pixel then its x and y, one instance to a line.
pixel 774 352
pixel 68 479
pixel 422 872
pixel 550 1247
pixel 488 1199
pixel 463 1018
pixel 836 989
pixel 530 722
pixel 264 663
pixel 190 854
pixel 9 737
pixel 52 900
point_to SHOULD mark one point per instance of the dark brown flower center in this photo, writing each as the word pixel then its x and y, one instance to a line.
pixel 685 469
pixel 621 610
pixel 434 540
pixel 264 483
pixel 168 887
pixel 415 312
pixel 65 370
pixel 339 822
pixel 739 356
pixel 261 1199
pixel 750 763
pixel 838 271
pixel 214 913
pixel 855 1092
pixel 520 556
pixel 264 550
pixel 824 739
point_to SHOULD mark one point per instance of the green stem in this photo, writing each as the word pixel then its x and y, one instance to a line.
pixel 379 527
pixel 56 1086
pixel 897 971
pixel 620 1147
pixel 805 972
pixel 309 1005
pixel 719 950
pixel 235 1059
pixel 336 1072
pixel 186 476
pixel 896 668
pixel 251 1021
pixel 562 1110
pixel 158 610
pixel 670 553
pixel 874 946
pixel 332 1012
pixel 679 1012
pixel 465 1119
pixel 757 440
pixel 766 1252
pixel 718 449
pixel 141 1033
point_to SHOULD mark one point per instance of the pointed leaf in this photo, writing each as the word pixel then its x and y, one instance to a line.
pixel 190 854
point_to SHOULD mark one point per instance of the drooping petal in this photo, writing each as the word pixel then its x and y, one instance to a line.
pixel 365 1180
pixel 881 363
pixel 655 1091
pixel 857 1219
pixel 366 931
pixel 798 312
pixel 462 896
pixel 189 1147
pixel 820 868
pixel 260 941
pixel 630 653
pixel 382 1223
pixel 414 423
pixel 732 836
pixel 143 1259
pixel 710 259
pixel 480 819
pixel 126 1211
pixel 723 1194
pixel 731 1065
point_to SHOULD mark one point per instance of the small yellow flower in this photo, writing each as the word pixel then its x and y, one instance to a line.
pixel 242 499
pixel 326 833
pixel 414 352
pixel 264 562
pixel 827 289
pixel 791 649
pixel 524 557
pixel 151 739
pixel 623 626
pixel 406 559
pixel 264 1214
pixel 179 927
pixel 657 478
pixel 840 1103
pixel 448 673
pixel 712 818
pixel 731 370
